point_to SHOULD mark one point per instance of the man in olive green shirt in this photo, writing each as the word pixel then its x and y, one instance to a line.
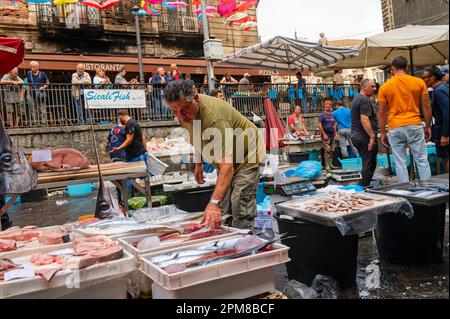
pixel 230 142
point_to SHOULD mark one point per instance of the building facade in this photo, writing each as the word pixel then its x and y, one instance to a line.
pixel 60 35
pixel 398 13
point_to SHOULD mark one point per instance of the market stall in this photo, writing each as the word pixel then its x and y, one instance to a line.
pixel 326 226
pixel 416 239
pixel 118 174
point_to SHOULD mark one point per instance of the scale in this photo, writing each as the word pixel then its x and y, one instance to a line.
pixel 299 188
pixel 346 175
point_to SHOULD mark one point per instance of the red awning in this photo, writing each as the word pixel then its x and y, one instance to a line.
pixel 11 54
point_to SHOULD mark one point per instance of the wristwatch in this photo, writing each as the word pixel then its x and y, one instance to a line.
pixel 216 202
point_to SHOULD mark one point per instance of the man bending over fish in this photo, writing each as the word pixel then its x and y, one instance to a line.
pixel 231 143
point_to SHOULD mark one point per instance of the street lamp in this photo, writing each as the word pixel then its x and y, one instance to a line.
pixel 138 42
pixel 206 38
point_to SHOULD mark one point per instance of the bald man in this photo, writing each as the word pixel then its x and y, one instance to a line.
pixel 79 80
pixel 174 74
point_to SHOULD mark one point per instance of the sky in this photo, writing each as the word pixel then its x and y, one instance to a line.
pixel 338 19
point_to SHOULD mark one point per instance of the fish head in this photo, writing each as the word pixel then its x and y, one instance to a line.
pixel 106 207
pixel 16 174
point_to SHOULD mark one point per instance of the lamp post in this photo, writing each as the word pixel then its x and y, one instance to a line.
pixel 139 44
pixel 206 38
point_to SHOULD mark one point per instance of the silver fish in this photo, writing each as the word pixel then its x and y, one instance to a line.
pixel 119 226
pixel 16 174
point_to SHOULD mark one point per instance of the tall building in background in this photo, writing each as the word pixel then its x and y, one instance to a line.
pixel 398 13
pixel 388 14
pixel 60 36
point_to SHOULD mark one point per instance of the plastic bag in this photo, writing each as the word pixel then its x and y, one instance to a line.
pixel 356 188
pixel 306 169
pixel 350 224
pixel 322 287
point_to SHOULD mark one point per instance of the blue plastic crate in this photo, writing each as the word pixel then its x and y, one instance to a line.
pixel 351 163
pixel 431 149
pixel 314 156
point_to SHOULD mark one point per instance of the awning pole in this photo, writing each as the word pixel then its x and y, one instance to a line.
pixel 411 157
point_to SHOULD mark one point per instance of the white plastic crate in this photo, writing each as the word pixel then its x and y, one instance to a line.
pixel 156 166
pixel 239 286
pixel 200 275
pixel 89 276
pixel 127 242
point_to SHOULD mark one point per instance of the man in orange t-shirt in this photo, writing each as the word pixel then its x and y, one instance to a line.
pixel 399 102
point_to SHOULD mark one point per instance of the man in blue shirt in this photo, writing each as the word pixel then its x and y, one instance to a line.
pixel 343 119
pixel 434 78
pixel 38 83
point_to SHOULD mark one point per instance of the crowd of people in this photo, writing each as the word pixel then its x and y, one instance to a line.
pixel 399 116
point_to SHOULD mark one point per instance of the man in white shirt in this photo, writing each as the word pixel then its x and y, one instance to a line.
pixel 79 80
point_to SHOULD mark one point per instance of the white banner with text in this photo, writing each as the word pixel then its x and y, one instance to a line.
pixel 115 99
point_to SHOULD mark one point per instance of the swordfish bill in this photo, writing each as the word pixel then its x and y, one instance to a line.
pixel 106 207
pixel 16 174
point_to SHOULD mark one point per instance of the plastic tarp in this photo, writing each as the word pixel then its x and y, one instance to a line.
pixel 358 222
pixel 429 45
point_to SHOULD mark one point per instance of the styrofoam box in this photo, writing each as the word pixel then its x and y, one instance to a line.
pixel 239 286
pixel 199 275
pixel 38 246
pixel 127 242
pixel 88 276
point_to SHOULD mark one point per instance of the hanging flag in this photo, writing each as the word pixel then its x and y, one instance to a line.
pixel 226 7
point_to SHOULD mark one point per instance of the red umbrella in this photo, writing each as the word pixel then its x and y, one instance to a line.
pixel 11 54
pixel 275 129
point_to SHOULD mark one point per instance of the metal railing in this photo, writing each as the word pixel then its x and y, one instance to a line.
pixel 73 15
pixel 178 22
pixel 249 99
pixel 58 105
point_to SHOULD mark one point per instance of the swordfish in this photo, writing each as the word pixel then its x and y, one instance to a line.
pixel 106 206
pixel 16 174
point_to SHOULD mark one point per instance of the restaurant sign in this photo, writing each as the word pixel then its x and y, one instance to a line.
pixel 115 99
pixel 107 67
pixel 268 73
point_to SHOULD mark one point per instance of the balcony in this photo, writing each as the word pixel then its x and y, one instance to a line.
pixel 173 24
pixel 69 20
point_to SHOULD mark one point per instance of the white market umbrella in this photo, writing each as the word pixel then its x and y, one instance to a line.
pixel 421 45
pixel 287 54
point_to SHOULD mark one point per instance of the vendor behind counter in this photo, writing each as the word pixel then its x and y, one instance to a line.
pixel 238 176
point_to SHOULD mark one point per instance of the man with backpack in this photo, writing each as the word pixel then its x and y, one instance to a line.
pixel 434 79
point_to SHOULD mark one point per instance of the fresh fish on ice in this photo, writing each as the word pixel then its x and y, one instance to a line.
pixel 119 226
pixel 211 253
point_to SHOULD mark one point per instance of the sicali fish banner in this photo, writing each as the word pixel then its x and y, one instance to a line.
pixel 115 99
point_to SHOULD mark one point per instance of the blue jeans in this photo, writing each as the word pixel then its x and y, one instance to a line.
pixel 79 109
pixel 142 158
pixel 413 136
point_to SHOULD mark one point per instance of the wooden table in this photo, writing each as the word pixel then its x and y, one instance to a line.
pixel 117 173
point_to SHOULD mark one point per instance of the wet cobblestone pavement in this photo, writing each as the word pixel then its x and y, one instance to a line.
pixel 396 282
